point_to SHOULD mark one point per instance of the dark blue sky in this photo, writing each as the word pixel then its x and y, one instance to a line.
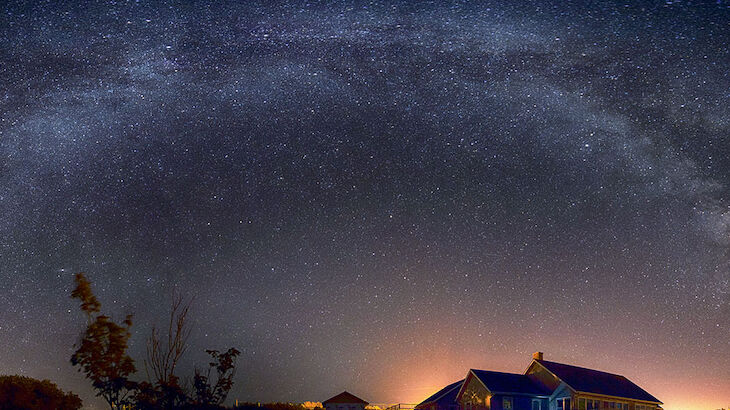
pixel 373 196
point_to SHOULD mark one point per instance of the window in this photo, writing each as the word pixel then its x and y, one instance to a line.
pixel 592 404
pixel 507 403
pixel 564 404
pixel 536 405
pixel 581 404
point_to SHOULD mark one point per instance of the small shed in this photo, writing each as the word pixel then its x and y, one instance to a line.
pixel 344 401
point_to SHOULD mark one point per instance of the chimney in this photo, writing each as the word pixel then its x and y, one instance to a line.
pixel 537 355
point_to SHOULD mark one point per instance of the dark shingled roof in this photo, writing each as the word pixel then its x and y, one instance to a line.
pixel 498 382
pixel 594 381
pixel 447 394
pixel 345 397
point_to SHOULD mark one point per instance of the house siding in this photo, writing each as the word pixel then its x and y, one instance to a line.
pixel 544 404
pixel 519 402
pixel 475 396
pixel 542 377
pixel 604 402
pixel 562 392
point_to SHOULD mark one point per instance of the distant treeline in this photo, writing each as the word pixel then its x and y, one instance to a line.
pixel 272 406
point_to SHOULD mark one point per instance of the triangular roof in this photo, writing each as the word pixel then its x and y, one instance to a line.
pixel 345 397
pixel 597 382
pixel 447 392
pixel 498 382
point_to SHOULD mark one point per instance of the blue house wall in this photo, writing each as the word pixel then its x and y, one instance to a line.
pixel 519 402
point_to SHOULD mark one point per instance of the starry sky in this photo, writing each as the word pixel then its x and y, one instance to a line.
pixel 373 196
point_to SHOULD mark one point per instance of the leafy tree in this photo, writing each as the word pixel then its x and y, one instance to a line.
pixel 25 393
pixel 102 352
pixel 102 356
pixel 224 364
pixel 161 395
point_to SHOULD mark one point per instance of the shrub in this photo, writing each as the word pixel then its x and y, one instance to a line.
pixel 21 393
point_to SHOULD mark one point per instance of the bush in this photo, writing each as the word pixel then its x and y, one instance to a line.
pixel 21 393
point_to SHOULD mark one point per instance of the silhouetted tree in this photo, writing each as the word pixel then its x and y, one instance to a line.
pixel 102 352
pixel 160 396
pixel 25 393
pixel 102 356
pixel 162 389
pixel 208 394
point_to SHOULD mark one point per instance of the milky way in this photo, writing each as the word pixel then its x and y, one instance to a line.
pixel 373 196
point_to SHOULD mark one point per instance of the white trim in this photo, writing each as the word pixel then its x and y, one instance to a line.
pixel 629 399
pixel 530 365
pixel 561 387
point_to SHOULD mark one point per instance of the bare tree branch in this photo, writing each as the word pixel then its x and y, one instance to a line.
pixel 162 359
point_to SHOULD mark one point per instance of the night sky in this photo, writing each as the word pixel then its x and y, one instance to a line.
pixel 373 196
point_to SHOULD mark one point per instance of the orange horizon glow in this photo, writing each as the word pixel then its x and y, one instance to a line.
pixel 410 380
pixel 707 401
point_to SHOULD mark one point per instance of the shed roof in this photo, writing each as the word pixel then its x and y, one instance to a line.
pixel 345 397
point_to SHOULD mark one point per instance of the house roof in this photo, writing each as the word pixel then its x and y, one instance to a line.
pixel 498 382
pixel 345 397
pixel 594 381
pixel 448 393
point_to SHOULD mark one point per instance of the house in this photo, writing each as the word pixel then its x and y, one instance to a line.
pixel 444 399
pixel 484 389
pixel 344 401
pixel 547 385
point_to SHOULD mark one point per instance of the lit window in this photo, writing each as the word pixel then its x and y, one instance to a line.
pixel 507 403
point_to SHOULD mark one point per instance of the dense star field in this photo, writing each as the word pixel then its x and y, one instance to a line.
pixel 373 196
